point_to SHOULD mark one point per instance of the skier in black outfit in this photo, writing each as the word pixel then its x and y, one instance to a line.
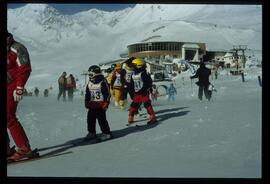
pixel 203 74
pixel 97 99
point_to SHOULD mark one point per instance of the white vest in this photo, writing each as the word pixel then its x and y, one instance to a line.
pixel 138 82
pixel 128 75
pixel 117 82
pixel 95 91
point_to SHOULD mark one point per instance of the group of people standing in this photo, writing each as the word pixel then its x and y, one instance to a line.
pixel 120 82
pixel 45 92
pixel 131 79
pixel 134 81
pixel 66 84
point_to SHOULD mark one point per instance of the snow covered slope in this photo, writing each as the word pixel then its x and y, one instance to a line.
pixel 216 139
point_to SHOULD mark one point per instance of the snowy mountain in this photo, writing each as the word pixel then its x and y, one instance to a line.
pixel 193 139
pixel 48 25
pixel 74 42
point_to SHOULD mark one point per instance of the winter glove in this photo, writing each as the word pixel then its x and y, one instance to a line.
pixel 105 105
pixel 18 94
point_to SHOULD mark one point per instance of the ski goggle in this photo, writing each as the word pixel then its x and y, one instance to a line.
pixel 91 74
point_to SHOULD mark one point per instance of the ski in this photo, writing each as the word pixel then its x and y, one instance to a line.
pixel 98 140
pixel 37 156
pixel 135 123
pixel 92 141
pixel 147 124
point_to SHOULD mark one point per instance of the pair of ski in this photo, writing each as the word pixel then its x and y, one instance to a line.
pixel 36 155
pixel 137 123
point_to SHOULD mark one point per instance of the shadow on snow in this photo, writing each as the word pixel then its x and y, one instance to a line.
pixel 170 113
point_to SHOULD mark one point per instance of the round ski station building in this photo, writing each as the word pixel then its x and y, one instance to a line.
pixel 159 50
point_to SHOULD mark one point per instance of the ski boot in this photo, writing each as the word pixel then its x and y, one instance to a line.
pixel 130 119
pixel 152 119
pixel 104 137
pixel 21 154
pixel 10 151
pixel 90 136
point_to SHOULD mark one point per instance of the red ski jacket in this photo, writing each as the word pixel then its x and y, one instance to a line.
pixel 18 66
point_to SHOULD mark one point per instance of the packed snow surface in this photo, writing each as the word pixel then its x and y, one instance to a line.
pixel 220 138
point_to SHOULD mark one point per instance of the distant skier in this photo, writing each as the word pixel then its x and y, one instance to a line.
pixel 18 72
pixel 46 92
pixel 171 91
pixel 70 86
pixel 62 86
pixel 215 71
pixel 97 99
pixel 154 92
pixel 36 91
pixel 211 88
pixel 142 83
pixel 174 77
pixel 203 74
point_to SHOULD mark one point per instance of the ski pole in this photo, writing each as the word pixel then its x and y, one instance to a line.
pixel 260 80
pixel 191 81
pixel 243 77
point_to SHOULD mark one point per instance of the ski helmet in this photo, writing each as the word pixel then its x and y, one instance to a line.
pixel 129 61
pixel 94 71
pixel 138 63
pixel 109 70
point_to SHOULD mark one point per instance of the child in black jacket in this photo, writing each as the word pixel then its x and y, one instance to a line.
pixel 97 99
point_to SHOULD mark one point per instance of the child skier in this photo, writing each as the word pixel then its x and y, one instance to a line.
pixel 97 99
pixel 116 84
pixel 142 83
pixel 126 87
pixel 154 92
pixel 171 91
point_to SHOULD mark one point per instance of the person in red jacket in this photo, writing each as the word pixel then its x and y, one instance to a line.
pixel 70 86
pixel 142 83
pixel 18 72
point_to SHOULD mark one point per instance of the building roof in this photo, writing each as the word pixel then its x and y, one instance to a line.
pixel 190 45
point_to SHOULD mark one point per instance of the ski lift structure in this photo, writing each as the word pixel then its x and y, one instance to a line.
pixel 238 59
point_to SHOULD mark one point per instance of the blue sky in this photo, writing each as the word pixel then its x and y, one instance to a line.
pixel 74 8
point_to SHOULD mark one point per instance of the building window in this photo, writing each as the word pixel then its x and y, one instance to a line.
pixel 158 46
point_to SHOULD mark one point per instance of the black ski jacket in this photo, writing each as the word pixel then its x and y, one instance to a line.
pixel 203 74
